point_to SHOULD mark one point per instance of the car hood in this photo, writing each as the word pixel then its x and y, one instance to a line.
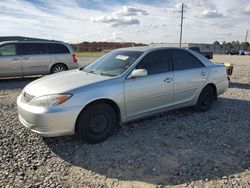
pixel 62 82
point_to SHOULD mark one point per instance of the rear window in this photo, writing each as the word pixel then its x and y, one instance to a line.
pixel 32 48
pixel 58 49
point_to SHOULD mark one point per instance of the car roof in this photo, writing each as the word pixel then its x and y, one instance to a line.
pixel 31 41
pixel 147 48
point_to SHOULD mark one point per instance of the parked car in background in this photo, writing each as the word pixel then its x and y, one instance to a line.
pixel 242 52
pixel 123 85
pixel 247 52
pixel 208 55
pixel 232 52
pixel 28 58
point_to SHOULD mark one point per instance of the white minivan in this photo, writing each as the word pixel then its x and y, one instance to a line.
pixel 26 58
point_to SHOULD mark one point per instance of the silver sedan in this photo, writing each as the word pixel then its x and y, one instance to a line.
pixel 124 85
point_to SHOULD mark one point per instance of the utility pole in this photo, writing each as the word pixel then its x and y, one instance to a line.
pixel 246 36
pixel 182 10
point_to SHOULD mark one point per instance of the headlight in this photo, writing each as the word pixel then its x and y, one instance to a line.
pixel 50 100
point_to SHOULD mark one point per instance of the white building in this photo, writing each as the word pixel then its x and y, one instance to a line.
pixel 216 49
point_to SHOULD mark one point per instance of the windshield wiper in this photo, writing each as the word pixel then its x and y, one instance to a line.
pixel 93 72
pixel 98 73
pixel 107 74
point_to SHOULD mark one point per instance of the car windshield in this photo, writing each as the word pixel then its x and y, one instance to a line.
pixel 114 63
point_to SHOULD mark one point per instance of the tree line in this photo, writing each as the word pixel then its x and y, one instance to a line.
pixel 245 45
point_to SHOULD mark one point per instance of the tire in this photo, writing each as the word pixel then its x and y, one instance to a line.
pixel 58 68
pixel 205 100
pixel 96 123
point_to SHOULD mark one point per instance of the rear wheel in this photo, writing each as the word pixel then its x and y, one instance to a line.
pixel 205 100
pixel 58 68
pixel 96 123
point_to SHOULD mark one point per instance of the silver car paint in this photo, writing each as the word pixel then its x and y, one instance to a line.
pixel 35 64
pixel 135 98
pixel 38 64
pixel 10 66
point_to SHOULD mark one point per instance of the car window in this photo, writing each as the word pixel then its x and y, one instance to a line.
pixel 32 48
pixel 184 60
pixel 8 49
pixel 114 63
pixel 155 62
pixel 58 49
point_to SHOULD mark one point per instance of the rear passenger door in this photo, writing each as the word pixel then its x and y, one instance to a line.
pixel 190 75
pixel 59 53
pixel 35 58
pixel 10 63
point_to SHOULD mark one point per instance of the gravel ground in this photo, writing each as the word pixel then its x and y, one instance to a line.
pixel 180 149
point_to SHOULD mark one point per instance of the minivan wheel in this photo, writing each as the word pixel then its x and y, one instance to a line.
pixel 96 123
pixel 205 100
pixel 58 68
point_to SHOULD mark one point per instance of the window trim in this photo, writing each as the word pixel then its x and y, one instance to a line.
pixel 158 50
pixel 15 49
pixel 172 61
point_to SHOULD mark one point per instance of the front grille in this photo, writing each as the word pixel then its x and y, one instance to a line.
pixel 27 97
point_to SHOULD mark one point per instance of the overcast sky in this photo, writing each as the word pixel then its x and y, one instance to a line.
pixel 126 20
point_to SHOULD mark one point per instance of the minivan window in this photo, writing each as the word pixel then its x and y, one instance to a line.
pixel 184 60
pixel 57 49
pixel 32 48
pixel 155 62
pixel 7 50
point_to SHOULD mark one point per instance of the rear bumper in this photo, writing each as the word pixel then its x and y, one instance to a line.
pixel 48 122
pixel 73 66
pixel 222 87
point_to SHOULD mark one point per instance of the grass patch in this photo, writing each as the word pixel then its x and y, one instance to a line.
pixel 90 54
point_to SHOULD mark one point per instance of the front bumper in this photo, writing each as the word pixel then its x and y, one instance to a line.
pixel 48 122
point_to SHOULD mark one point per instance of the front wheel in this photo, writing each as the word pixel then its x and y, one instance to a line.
pixel 205 100
pixel 96 123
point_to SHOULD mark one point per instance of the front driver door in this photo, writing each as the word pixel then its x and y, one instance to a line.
pixel 152 92
pixel 10 63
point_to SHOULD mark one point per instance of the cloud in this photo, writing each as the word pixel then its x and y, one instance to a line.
pixel 116 21
pixel 130 11
pixel 122 17
pixel 135 21
pixel 113 39
pixel 155 25
pixel 245 10
pixel 223 25
pixel 211 14
pixel 176 8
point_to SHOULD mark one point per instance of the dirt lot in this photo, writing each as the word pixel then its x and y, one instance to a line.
pixel 180 149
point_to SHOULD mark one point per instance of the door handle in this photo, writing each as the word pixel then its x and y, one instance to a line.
pixel 16 58
pixel 203 73
pixel 168 80
pixel 25 58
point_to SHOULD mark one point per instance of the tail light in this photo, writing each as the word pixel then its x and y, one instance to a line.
pixel 74 57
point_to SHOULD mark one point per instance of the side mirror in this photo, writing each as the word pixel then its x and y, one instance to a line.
pixel 138 73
